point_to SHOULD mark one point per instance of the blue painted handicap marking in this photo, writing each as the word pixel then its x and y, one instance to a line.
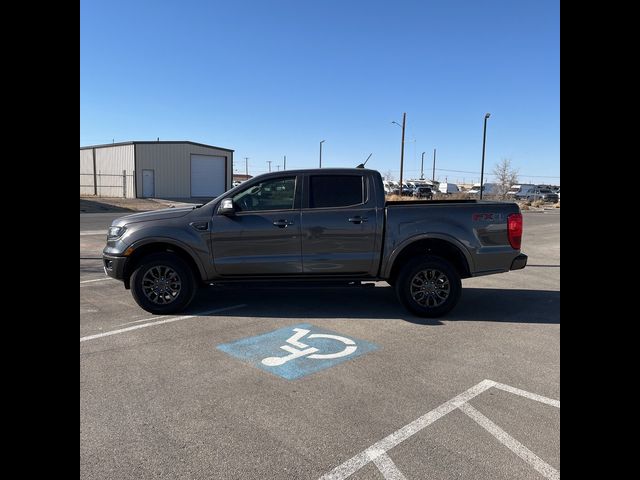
pixel 296 351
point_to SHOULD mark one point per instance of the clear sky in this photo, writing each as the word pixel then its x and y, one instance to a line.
pixel 274 77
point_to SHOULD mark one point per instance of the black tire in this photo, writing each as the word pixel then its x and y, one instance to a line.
pixel 428 286
pixel 174 292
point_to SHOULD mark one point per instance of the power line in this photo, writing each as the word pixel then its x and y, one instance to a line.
pixel 478 173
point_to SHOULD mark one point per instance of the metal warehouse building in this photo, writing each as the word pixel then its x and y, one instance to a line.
pixel 155 169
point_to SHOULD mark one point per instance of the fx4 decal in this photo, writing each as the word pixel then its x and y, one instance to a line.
pixel 487 217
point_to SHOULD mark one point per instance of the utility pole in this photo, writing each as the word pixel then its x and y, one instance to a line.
pixel 285 163
pixel 404 121
pixel 269 162
pixel 321 153
pixel 433 173
pixel 278 167
pixel 246 167
pixel 484 138
pixel 422 167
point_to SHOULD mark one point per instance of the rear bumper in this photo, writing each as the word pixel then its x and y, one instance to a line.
pixel 114 266
pixel 519 262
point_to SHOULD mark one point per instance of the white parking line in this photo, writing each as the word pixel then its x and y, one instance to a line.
pixel 377 453
pixel 96 280
pixel 135 321
pixel 532 396
pixel 356 463
pixel 159 322
pixel 511 443
pixel 386 466
pixel 93 232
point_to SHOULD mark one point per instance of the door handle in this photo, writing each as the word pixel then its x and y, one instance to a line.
pixel 358 219
pixel 282 223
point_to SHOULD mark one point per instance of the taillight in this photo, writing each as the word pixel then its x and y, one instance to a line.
pixel 514 229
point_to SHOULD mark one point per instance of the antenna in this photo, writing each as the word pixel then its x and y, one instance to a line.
pixel 365 162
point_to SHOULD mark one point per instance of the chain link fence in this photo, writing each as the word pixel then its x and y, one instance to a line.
pixel 108 184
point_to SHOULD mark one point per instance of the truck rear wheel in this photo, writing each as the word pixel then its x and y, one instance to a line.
pixel 163 283
pixel 428 286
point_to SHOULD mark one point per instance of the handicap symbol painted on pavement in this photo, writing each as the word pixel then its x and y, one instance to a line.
pixel 297 351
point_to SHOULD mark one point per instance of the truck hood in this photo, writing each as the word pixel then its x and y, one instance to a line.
pixel 152 215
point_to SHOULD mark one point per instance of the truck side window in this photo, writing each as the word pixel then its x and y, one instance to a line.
pixel 335 190
pixel 272 194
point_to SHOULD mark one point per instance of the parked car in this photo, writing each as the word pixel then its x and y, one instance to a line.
pixel 487 189
pixel 328 225
pixel 543 194
pixel 448 188
pixel 406 190
pixel 423 192
pixel 520 191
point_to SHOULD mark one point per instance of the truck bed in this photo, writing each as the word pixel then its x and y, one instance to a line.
pixel 477 228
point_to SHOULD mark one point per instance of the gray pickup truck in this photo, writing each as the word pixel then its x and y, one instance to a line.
pixel 315 225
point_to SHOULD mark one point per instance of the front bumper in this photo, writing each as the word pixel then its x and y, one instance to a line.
pixel 519 262
pixel 114 266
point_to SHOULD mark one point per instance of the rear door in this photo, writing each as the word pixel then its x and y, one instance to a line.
pixel 263 237
pixel 339 224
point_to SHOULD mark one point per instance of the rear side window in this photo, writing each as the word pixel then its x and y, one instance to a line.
pixel 335 190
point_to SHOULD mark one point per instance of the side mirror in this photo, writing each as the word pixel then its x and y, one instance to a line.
pixel 226 207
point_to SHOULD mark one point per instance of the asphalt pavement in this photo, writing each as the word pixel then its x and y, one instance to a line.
pixel 184 397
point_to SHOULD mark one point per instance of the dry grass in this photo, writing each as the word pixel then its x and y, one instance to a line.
pixel 396 198
pixel 441 196
pixel 538 203
pixel 91 204
pixel 456 196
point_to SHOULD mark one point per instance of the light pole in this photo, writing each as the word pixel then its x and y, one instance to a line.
pixel 422 167
pixel 433 172
pixel 321 142
pixel 484 139
pixel 246 167
pixel 269 162
pixel 404 122
pixel 285 163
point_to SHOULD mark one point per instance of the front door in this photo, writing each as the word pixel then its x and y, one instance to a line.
pixel 263 236
pixel 339 225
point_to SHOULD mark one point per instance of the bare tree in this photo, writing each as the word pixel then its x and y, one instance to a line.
pixel 506 177
pixel 388 176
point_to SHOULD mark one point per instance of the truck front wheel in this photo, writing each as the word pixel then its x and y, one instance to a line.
pixel 163 283
pixel 428 286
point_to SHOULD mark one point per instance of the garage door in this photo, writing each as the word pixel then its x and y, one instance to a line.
pixel 207 175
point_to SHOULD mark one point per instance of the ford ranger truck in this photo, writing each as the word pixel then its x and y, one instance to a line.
pixel 330 224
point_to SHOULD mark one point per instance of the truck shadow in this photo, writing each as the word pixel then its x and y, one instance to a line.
pixel 476 304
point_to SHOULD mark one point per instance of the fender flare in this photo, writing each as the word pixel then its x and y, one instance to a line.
pixel 172 241
pixel 426 236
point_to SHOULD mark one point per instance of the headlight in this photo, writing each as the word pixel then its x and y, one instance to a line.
pixel 115 232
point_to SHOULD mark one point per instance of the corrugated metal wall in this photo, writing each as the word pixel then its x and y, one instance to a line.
pixel 110 164
pixel 171 163
pixel 86 172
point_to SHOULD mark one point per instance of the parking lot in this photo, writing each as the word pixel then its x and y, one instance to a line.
pixel 266 382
